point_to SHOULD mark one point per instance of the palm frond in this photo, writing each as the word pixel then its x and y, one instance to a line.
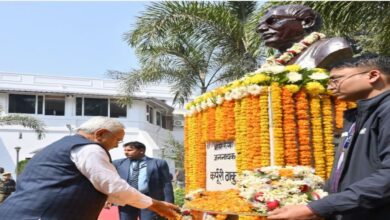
pixel 25 121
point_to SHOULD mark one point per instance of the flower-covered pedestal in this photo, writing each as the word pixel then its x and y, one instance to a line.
pixel 259 192
pixel 276 116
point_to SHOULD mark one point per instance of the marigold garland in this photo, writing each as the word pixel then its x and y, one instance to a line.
pixel 219 123
pixel 303 123
pixel 220 201
pixel 340 107
pixel 200 154
pixel 187 157
pixel 238 138
pixel 191 154
pixel 241 134
pixel 229 117
pixel 264 128
pixel 277 118
pixel 212 124
pixel 204 125
pixel 317 137
pixel 289 128
pixel 328 132
pixel 254 134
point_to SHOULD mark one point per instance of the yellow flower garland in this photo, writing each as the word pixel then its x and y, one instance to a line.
pixel 318 143
pixel 239 138
pixel 327 124
pixel 264 128
pixel 277 118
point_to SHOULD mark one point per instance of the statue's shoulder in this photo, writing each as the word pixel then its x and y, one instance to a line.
pixel 330 45
pixel 325 52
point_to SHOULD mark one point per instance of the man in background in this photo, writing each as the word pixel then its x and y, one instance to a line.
pixel 1 184
pixel 149 175
pixel 8 185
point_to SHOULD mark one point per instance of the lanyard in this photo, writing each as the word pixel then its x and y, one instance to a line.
pixel 346 144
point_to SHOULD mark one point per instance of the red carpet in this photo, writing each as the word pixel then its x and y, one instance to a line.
pixel 109 214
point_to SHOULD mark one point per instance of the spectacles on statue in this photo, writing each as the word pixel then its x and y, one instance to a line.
pixel 338 80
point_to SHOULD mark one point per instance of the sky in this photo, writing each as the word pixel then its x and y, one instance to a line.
pixel 67 38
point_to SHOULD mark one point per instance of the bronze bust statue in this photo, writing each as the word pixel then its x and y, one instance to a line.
pixel 282 26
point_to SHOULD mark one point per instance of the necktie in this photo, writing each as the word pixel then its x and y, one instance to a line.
pixel 134 174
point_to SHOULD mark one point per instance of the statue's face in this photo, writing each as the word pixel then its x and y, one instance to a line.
pixel 279 29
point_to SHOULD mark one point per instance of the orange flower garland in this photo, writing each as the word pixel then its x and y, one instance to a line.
pixel 327 124
pixel 200 154
pixel 340 107
pixel 289 128
pixel 264 128
pixel 191 154
pixel 220 201
pixel 187 147
pixel 254 134
pixel 212 124
pixel 219 124
pixel 277 118
pixel 318 141
pixel 204 125
pixel 302 112
pixel 229 117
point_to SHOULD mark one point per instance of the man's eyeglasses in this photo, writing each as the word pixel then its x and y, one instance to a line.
pixel 337 80
pixel 119 140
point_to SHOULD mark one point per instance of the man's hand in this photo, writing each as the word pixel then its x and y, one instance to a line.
pixel 164 209
pixel 292 212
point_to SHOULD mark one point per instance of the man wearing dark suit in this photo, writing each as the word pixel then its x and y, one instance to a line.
pixel 149 175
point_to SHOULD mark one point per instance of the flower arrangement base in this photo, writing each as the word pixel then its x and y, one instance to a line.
pixel 212 215
pixel 220 205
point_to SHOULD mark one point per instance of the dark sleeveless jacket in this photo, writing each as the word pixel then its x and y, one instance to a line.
pixel 52 188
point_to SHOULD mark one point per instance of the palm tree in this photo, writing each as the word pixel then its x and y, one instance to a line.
pixel 25 121
pixel 365 23
pixel 193 45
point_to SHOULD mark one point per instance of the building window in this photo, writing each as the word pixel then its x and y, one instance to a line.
pixel 164 121
pixel 117 110
pixel 54 105
pixel 99 107
pixel 22 104
pixel 95 107
pixel 79 106
pixel 40 105
pixel 158 119
pixel 37 104
pixel 149 114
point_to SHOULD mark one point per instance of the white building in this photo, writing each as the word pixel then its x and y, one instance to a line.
pixel 63 103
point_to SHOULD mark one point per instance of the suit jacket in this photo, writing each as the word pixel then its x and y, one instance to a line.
pixel 159 178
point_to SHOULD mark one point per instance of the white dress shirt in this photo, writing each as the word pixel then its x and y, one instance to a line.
pixel 93 162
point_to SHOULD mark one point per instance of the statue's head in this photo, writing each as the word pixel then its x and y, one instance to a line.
pixel 282 26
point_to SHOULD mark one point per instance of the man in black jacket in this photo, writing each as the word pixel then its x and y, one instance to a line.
pixel 359 185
